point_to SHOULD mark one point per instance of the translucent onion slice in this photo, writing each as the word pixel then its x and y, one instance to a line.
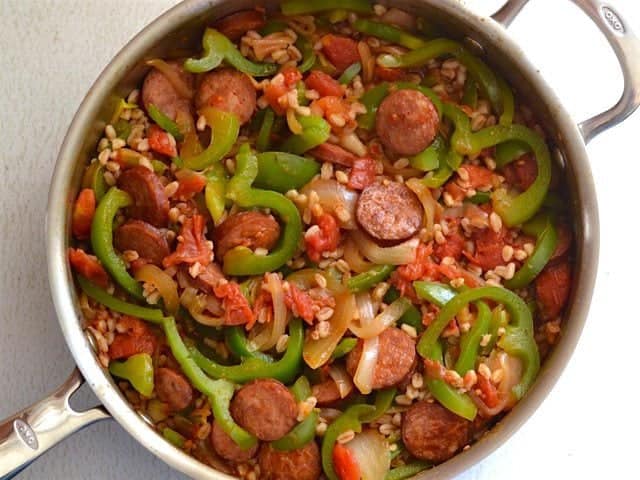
pixel 431 207
pixel 266 335
pixel 332 195
pixel 370 449
pixel 397 255
pixel 166 286
pixel 354 258
pixel 342 379
pixel 196 304
pixel 384 319
pixel 363 378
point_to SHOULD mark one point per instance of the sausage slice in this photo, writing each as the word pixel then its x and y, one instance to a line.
pixel 150 242
pixel 326 393
pixel 227 448
pixel 389 212
pixel 300 464
pixel 228 90
pixel 159 91
pixel 433 433
pixel 234 26
pixel 407 122
pixel 266 408
pixel 173 388
pixel 249 229
pixel 397 354
pixel 150 202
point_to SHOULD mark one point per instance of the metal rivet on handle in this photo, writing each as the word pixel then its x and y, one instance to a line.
pixel 26 433
pixel 612 19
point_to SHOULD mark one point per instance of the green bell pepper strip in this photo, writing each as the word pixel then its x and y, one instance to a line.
pixel 338 15
pixel 450 398
pixel 371 100
pixel 164 122
pixel 123 129
pixel 217 48
pixel 383 401
pixel 225 127
pixel 305 7
pixel 470 93
pixel 437 293
pixel 480 198
pixel 406 471
pixel 138 370
pixel 284 369
pixel 344 347
pixel 366 280
pixel 305 431
pixel 173 437
pixel 153 315
pixel 519 341
pixel 543 229
pixel 470 340
pixel 507 152
pixel 308 54
pixel 350 73
pixel 236 341
pixel 388 33
pixel 429 158
pixel 93 178
pixel 241 261
pixel 437 178
pixel 282 171
pixel 508 102
pixel 499 318
pixel 349 420
pixel 264 135
pixel 102 240
pixel 273 26
pixel 411 317
pixel 487 81
pixel 315 131
pixel 214 191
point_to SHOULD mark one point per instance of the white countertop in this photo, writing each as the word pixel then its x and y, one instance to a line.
pixel 52 51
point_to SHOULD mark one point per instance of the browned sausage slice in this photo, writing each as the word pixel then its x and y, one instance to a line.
pixel 389 212
pixel 150 202
pixel 159 91
pixel 397 353
pixel 228 90
pixel 249 229
pixel 227 448
pixel 266 408
pixel 326 393
pixel 234 26
pixel 433 433
pixel 173 388
pixel 150 242
pixel 329 152
pixel 407 122
pixel 300 464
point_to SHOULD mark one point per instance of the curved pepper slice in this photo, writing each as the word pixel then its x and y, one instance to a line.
pixel 406 471
pixel 138 370
pixel 388 33
pixel 470 341
pixel 305 431
pixel 282 171
pixel 214 191
pixel 225 127
pixel 102 240
pixel 236 341
pixel 366 280
pixel 284 369
pixel 242 261
pixel 315 131
pixel 304 7
pixel 217 48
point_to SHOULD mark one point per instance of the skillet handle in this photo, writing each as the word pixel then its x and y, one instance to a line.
pixel 625 45
pixel 29 433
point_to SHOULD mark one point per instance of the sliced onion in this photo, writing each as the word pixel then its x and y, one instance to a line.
pixel 332 195
pixel 512 373
pixel 342 379
pixel 431 207
pixel 354 258
pixel 318 352
pixel 397 255
pixel 385 319
pixel 196 304
pixel 166 285
pixel 366 309
pixel 371 452
pixel 363 378
pixel 266 335
pixel 351 142
pixel 181 87
pixel 399 18
pixel 453 212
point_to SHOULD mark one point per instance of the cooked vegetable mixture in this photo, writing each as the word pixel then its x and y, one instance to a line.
pixel 330 242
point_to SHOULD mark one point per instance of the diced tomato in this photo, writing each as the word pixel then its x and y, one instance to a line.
pixel 552 289
pixel 300 303
pixel 138 338
pixel 421 267
pixel 489 245
pixel 340 51
pixel 478 176
pixel 434 369
pixel 192 244
pixel 489 391
pixel 88 266
pixel 323 84
pixel 329 152
pixel 160 142
pixel 262 308
pixel 237 310
pixel 272 93
pixel 565 237
pixel 344 463
pixel 452 247
pixel 388 74
pixel 451 272
pixel 362 174
pixel 291 76
pixel 522 172
pixel 83 211
pixel 326 239
pixel 458 194
pixel 333 108
pixel 189 183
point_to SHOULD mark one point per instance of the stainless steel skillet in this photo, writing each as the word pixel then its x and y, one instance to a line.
pixel 26 435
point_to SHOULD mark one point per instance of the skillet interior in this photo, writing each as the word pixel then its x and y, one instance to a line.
pixel 181 29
